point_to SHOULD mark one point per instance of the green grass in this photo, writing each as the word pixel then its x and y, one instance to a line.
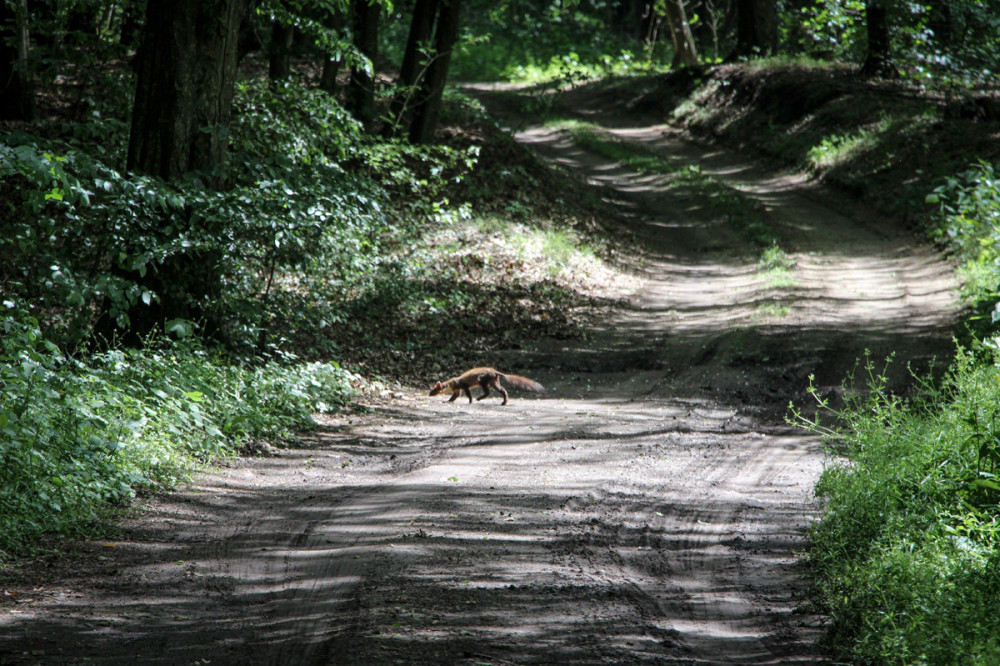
pixel 776 267
pixel 772 310
pixel 837 149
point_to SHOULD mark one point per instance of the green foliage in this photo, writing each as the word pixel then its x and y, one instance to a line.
pixel 907 551
pixel 836 149
pixel 969 221
pixel 313 21
pixel 310 192
pixel 517 40
pixel 953 42
pixel 832 29
pixel 79 437
pixel 777 266
pixel 569 69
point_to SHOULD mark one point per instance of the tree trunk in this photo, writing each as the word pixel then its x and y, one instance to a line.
pixel 17 100
pixel 328 77
pixel 331 66
pixel 412 69
pixel 942 24
pixel 878 60
pixel 180 120
pixel 685 53
pixel 361 89
pixel 429 106
pixel 131 29
pixel 279 65
pixel 647 21
pixel 184 87
pixel 756 28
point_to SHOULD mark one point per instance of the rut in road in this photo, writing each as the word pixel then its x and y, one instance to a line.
pixel 652 509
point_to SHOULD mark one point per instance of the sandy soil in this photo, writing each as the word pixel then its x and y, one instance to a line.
pixel 650 509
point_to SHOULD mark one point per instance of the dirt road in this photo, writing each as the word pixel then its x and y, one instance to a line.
pixel 650 509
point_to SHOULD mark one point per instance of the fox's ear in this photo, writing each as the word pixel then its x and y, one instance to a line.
pixel 437 388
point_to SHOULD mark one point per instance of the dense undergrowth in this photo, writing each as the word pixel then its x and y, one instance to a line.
pixel 83 435
pixel 907 554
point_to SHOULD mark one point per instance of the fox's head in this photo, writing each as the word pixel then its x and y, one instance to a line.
pixel 437 388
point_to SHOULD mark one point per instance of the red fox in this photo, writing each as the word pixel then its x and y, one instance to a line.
pixel 487 378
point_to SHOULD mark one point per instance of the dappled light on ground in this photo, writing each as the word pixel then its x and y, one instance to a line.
pixel 651 508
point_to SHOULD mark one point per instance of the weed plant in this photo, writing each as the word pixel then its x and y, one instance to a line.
pixel 907 553
pixel 777 266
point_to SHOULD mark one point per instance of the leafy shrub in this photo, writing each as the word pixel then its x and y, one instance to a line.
pixel 907 551
pixel 969 206
pixel 80 437
pixel 310 193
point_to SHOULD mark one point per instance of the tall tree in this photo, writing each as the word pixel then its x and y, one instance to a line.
pixel 415 59
pixel 425 116
pixel 186 71
pixel 878 58
pixel 361 88
pixel 335 20
pixel 279 61
pixel 685 52
pixel 16 95
pixel 756 28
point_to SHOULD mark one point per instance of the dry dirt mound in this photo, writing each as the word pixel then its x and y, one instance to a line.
pixel 650 509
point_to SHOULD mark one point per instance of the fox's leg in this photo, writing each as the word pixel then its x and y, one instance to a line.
pixel 485 385
pixel 502 390
pixel 454 396
pixel 468 393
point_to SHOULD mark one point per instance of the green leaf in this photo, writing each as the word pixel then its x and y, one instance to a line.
pixel 179 327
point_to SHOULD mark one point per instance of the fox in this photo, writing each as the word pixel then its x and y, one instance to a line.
pixel 487 378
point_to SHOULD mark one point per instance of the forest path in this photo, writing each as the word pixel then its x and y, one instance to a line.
pixel 650 509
